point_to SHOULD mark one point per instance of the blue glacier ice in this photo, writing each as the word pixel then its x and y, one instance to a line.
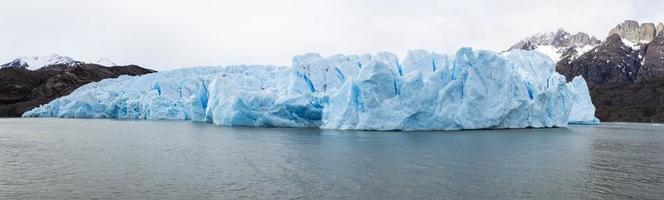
pixel 583 110
pixel 172 95
pixel 473 89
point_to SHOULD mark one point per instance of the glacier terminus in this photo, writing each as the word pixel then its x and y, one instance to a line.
pixel 472 89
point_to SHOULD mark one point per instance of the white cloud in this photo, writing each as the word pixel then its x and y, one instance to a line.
pixel 169 34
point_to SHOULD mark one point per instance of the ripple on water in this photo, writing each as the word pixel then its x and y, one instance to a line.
pixel 108 159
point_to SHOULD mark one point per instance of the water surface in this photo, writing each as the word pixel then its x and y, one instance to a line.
pixel 104 159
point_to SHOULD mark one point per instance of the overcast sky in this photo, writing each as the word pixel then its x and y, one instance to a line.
pixel 163 34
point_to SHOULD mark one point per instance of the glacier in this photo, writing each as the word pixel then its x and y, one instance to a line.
pixel 472 89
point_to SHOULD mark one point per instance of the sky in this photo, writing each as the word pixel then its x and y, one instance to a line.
pixel 169 34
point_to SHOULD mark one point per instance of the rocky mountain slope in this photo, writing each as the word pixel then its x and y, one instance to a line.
pixel 638 102
pixel 22 88
pixel 610 62
pixel 624 72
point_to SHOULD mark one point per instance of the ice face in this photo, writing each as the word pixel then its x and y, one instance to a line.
pixel 258 97
pixel 425 91
pixel 175 95
pixel 481 90
pixel 583 110
pixel 423 61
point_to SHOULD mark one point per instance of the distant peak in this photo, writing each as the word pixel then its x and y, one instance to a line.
pixel 637 33
pixel 558 44
pixel 559 38
pixel 106 62
pixel 37 62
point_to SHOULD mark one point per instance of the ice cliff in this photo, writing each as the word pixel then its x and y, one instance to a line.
pixel 425 91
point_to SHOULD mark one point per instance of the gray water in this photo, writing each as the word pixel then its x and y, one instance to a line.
pixel 108 159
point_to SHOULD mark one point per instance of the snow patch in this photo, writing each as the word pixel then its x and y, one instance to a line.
pixel 634 46
pixel 106 62
pixel 581 50
pixel 551 51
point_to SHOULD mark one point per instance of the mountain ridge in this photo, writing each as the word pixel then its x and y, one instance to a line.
pixel 558 44
pixel 38 62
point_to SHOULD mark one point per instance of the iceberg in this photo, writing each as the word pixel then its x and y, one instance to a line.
pixel 472 89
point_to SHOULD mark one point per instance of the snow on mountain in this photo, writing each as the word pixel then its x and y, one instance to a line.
pixel 426 91
pixel 559 45
pixel 37 62
pixel 630 44
pixel 555 53
pixel 106 62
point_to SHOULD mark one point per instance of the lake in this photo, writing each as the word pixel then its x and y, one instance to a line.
pixel 112 159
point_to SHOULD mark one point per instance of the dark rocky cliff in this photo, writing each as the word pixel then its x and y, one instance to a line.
pixel 642 102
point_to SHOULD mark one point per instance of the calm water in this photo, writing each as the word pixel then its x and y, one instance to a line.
pixel 107 159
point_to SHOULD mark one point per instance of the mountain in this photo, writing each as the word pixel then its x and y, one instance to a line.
pixel 28 82
pixel 631 53
pixel 624 72
pixel 558 44
pixel 610 62
pixel 652 64
pixel 106 62
pixel 37 62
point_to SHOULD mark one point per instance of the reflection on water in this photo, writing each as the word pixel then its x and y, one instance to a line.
pixel 65 159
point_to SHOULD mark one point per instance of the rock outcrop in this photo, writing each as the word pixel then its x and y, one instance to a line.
pixel 653 60
pixel 634 32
